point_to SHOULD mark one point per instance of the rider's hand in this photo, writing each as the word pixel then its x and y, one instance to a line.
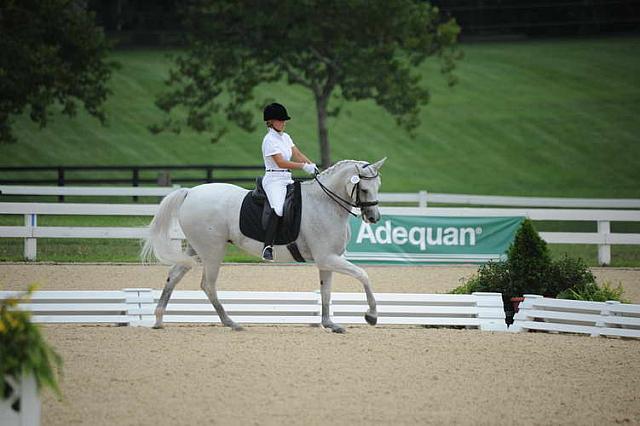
pixel 310 168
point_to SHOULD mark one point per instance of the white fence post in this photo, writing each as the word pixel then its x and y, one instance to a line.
pixel 604 314
pixel 140 306
pixel 422 199
pixel 604 250
pixel 318 313
pixel 30 243
pixel 30 402
pixel 26 391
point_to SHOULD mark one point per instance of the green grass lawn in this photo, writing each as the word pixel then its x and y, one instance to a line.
pixel 543 118
pixel 93 250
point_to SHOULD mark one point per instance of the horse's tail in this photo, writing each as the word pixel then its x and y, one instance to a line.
pixel 158 242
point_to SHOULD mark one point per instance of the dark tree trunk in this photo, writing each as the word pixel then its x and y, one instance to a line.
pixel 323 133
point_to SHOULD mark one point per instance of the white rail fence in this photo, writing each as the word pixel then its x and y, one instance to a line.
pixel 611 318
pixel 93 191
pixel 135 307
pixel 422 198
pixel 30 231
pixel 484 311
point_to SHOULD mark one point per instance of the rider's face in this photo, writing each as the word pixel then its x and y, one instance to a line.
pixel 278 125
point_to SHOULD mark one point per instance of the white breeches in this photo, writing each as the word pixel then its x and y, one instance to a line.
pixel 275 185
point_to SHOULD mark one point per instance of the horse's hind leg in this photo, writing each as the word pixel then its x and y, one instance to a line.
pixel 175 275
pixel 210 276
pixel 325 291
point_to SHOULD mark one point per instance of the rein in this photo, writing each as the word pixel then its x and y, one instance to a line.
pixel 356 188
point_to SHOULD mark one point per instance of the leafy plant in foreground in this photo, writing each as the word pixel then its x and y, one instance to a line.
pixel 23 349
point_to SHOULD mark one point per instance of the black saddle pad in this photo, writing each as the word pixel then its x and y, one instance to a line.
pixel 255 209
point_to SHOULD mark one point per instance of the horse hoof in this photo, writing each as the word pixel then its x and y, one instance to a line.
pixel 237 328
pixel 334 328
pixel 371 319
pixel 158 326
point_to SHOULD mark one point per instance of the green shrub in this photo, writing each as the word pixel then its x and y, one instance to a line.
pixel 491 277
pixel 530 270
pixel 591 291
pixel 567 273
pixel 467 287
pixel 23 349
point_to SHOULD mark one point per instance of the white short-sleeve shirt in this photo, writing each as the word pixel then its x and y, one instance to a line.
pixel 276 143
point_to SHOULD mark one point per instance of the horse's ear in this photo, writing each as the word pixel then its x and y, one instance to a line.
pixel 378 165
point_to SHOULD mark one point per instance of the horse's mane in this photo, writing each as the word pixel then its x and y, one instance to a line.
pixel 328 172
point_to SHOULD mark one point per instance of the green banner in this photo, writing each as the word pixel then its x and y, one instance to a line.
pixel 427 239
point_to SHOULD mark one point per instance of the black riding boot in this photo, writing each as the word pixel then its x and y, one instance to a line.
pixel 270 236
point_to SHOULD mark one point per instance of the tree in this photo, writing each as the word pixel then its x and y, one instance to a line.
pixel 356 49
pixel 52 53
pixel 529 262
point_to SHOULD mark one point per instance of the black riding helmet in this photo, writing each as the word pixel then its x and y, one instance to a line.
pixel 275 111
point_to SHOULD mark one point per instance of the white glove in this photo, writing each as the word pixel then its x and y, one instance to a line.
pixel 310 168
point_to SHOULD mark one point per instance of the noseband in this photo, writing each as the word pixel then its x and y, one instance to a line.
pixel 356 188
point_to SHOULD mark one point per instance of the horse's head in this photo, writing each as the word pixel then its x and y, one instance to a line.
pixel 363 187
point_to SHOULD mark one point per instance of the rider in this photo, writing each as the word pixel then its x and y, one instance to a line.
pixel 277 151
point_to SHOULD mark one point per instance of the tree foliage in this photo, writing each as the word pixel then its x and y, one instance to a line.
pixel 52 53
pixel 355 49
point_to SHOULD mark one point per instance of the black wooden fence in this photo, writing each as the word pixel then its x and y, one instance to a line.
pixel 160 175
pixel 130 175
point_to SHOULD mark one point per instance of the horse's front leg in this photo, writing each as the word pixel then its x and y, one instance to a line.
pixel 325 291
pixel 343 266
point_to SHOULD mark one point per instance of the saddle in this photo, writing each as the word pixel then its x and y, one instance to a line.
pixel 255 212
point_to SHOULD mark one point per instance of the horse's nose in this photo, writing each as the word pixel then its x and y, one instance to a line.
pixel 373 217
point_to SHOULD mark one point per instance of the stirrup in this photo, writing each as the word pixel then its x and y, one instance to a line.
pixel 267 254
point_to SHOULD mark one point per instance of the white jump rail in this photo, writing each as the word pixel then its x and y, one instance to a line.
pixel 95 307
pixel 478 310
pixel 31 231
pixel 422 198
pixel 610 318
pixel 136 307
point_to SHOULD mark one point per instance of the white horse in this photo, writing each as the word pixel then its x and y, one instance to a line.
pixel 209 217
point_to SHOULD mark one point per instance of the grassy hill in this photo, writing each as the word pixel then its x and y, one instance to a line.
pixel 544 118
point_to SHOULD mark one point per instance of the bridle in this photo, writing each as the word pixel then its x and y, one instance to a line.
pixel 356 188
